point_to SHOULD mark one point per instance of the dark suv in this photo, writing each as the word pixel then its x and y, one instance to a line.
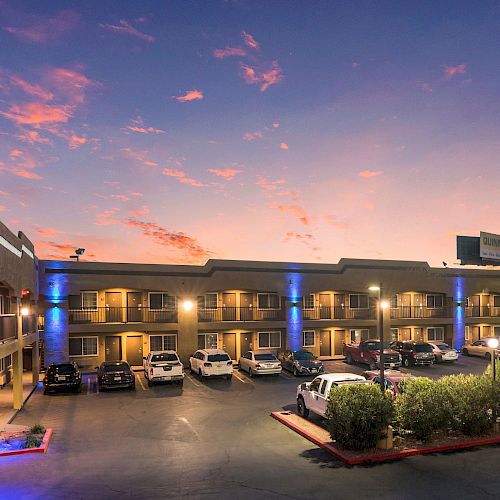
pixel 115 374
pixel 414 353
pixel 64 377
pixel 301 363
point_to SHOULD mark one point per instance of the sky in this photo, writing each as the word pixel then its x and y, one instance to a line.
pixel 308 131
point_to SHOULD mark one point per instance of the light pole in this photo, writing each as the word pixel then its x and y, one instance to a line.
pixel 382 305
pixel 493 344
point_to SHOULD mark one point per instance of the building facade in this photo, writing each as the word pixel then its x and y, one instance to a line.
pixel 101 311
pixel 19 340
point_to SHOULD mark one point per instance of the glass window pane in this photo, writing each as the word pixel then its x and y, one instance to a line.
pixel 274 301
pixel 155 300
pixel 75 346
pixel 211 341
pixel 201 341
pixel 170 342
pixel 363 301
pixel 169 301
pixel 263 339
pixel 275 340
pixel 263 301
pixel 211 301
pixel 155 343
pixel 89 346
pixel 89 300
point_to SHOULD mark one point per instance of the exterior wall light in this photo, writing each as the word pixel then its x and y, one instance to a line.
pixel 25 311
pixel 384 304
pixel 187 305
pixel 374 288
pixel 493 343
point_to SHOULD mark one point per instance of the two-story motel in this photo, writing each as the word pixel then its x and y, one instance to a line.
pixel 96 311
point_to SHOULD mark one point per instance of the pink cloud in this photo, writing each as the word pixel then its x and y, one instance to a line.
pixel 137 125
pixel 270 185
pixel 107 217
pixel 69 83
pixel 120 197
pixel 37 113
pixel 284 146
pixel 47 231
pixel 252 136
pixel 334 221
pixel 229 52
pixel 189 246
pixel 140 212
pixel 138 156
pixel 182 177
pixel 276 125
pixel 370 173
pixel 44 29
pixel 190 95
pixel 249 40
pixel 451 71
pixel 226 173
pixel 262 77
pixel 26 174
pixel 59 251
pixel 306 238
pixel 294 210
pixel 32 137
pixel 31 89
pixel 3 208
pixel 125 28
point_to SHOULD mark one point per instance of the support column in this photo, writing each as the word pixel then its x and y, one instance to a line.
pixel 35 362
pixel 17 362
pixel 187 335
pixel 56 333
pixel 294 325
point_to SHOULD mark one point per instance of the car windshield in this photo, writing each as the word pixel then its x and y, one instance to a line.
pixel 164 357
pixel 118 367
pixel 303 355
pixel 375 346
pixel 265 357
pixel 218 357
pixel 63 369
pixel 423 348
pixel 443 347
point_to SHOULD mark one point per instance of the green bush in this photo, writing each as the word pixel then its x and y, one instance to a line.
pixel 488 371
pixel 33 441
pixel 37 429
pixel 423 408
pixel 357 415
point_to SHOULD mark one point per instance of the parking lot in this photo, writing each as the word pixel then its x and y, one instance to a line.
pixel 215 439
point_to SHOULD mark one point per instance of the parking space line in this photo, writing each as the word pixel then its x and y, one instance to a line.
pixel 140 382
pixel 239 377
pixel 287 375
pixel 191 379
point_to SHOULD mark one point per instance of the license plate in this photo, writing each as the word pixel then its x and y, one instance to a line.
pixel 61 377
pixel 391 365
pixel 313 370
pixel 176 377
pixel 117 379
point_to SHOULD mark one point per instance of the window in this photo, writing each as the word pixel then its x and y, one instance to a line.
pixel 268 300
pixel 207 301
pixel 83 346
pixel 162 301
pixel 358 301
pixel 394 301
pixel 6 363
pixel 435 333
pixel 496 300
pixel 89 300
pixel 394 334
pixel 269 340
pixel 308 338
pixel 434 301
pixel 308 301
pixel 2 304
pixel 323 387
pixel 208 341
pixel 359 335
pixel 163 342
pixel 467 333
pixel 314 385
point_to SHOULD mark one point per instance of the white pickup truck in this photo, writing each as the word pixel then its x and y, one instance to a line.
pixel 163 366
pixel 312 396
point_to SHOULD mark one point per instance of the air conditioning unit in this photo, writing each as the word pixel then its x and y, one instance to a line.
pixel 5 377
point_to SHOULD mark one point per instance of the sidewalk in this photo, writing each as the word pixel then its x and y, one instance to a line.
pixel 6 397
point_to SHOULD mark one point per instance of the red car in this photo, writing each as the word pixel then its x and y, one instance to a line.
pixel 394 380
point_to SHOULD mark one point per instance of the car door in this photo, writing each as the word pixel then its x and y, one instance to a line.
pixel 287 360
pixel 311 395
pixel 477 348
pixel 321 398
pixel 244 361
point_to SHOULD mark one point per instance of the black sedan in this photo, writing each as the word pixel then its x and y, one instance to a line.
pixel 62 377
pixel 114 375
pixel 301 363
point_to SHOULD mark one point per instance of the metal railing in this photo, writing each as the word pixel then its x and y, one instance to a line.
pixel 338 312
pixel 8 327
pixel 30 324
pixel 122 315
pixel 403 312
pixel 482 312
pixel 240 314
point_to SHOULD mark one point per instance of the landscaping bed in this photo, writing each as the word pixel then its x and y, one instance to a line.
pixel 403 446
pixel 17 440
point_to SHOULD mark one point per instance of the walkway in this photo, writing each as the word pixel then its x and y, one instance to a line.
pixel 6 397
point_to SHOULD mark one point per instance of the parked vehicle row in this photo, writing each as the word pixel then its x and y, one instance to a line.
pixel 481 348
pixel 211 363
pixel 163 366
pixel 368 352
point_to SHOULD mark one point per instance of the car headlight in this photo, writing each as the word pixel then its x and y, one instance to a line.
pixel 378 357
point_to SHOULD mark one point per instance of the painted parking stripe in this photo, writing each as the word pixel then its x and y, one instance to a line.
pixel 287 375
pixel 240 378
pixel 139 378
pixel 191 379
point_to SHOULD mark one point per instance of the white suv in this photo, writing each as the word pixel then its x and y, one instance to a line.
pixel 211 363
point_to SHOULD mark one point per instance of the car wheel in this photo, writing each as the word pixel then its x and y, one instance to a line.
pixel 229 377
pixel 45 391
pixel 465 352
pixel 200 373
pixel 487 356
pixel 406 362
pixel 295 372
pixel 132 387
pixel 301 407
pixel 79 388
pixel 250 373
pixel 150 384
pixel 349 359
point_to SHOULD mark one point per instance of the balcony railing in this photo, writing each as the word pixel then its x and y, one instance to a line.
pixel 122 315
pixel 482 312
pixel 240 314
pixel 8 327
pixel 30 324
pixel 338 312
pixel 404 312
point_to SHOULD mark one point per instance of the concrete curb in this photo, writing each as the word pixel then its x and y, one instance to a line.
pixel 332 450
pixel 41 449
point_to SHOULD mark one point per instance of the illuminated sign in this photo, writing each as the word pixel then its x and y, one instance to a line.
pixel 489 246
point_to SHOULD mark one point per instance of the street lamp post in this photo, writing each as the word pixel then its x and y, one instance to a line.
pixel 493 344
pixel 381 306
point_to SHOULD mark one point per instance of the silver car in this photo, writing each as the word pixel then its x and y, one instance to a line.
pixel 480 348
pixel 443 352
pixel 260 363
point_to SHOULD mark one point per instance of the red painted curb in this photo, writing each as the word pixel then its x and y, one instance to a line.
pixel 380 458
pixel 41 449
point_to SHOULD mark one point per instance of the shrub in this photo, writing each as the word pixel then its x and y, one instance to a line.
pixel 488 372
pixel 423 408
pixel 33 441
pixel 37 429
pixel 357 415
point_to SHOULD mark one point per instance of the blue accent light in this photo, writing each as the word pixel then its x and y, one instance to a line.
pixel 458 321
pixel 294 313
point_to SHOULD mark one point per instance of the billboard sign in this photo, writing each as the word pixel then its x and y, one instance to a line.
pixel 489 246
